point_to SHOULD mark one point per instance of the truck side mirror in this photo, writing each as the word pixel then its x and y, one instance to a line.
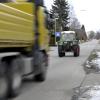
pixel 49 20
pixel 37 2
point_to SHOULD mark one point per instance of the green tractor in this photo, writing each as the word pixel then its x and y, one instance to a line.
pixel 68 43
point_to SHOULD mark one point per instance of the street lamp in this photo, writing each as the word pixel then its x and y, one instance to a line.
pixel 56 24
pixel 55 28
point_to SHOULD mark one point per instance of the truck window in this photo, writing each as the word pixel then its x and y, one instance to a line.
pixel 46 17
pixel 5 1
pixel 29 0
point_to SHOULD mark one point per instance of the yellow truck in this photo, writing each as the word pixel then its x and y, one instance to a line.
pixel 23 44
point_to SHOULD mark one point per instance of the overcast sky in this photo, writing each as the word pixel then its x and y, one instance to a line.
pixel 87 11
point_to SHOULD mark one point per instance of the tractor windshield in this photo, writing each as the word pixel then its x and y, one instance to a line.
pixel 68 37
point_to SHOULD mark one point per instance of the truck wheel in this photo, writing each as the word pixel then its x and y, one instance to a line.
pixel 76 51
pixel 42 75
pixel 14 78
pixel 3 83
pixel 46 59
pixel 3 87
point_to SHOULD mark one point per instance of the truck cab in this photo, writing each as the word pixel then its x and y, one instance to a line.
pixel 24 42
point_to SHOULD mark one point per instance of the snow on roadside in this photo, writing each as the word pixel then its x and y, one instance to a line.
pixel 92 65
pixel 87 93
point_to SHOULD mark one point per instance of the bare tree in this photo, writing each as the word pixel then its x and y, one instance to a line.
pixel 97 35
pixel 91 35
pixel 75 24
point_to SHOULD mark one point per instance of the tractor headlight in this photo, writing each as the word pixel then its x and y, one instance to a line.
pixel 65 42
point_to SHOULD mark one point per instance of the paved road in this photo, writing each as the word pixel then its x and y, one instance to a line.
pixel 64 74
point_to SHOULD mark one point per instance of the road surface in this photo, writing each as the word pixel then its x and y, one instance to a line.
pixel 64 74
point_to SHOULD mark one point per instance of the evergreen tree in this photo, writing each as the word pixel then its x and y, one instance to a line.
pixel 75 24
pixel 60 10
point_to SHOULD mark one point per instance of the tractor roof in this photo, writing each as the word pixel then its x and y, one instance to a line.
pixel 68 32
